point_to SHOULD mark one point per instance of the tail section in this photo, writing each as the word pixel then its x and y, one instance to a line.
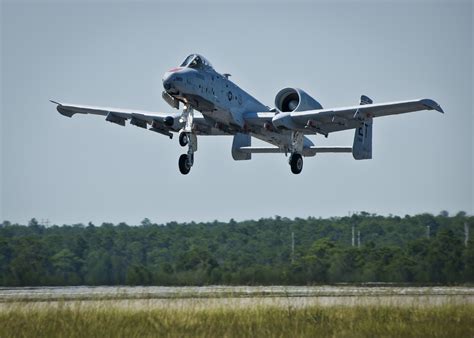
pixel 362 147
pixel 365 100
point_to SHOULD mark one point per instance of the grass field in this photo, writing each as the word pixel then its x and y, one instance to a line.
pixel 253 318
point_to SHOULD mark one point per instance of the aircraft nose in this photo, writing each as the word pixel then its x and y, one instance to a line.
pixel 167 81
pixel 171 81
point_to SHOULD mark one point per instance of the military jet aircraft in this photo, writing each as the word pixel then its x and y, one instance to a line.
pixel 214 105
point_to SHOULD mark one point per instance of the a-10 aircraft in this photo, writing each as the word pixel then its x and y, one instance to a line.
pixel 214 105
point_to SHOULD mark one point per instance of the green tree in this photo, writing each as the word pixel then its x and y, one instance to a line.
pixel 67 266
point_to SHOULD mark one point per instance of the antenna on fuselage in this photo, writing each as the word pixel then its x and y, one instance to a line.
pixel 226 75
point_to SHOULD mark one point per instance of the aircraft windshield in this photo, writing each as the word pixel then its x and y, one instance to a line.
pixel 196 61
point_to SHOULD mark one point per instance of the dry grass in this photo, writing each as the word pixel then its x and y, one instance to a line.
pixel 107 319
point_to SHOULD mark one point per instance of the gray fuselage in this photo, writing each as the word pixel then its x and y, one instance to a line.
pixel 212 94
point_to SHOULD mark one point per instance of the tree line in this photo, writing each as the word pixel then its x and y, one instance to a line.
pixel 267 251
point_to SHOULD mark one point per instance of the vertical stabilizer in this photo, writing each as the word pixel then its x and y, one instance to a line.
pixel 362 147
pixel 365 100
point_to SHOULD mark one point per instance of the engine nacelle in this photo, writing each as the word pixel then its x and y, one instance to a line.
pixel 295 99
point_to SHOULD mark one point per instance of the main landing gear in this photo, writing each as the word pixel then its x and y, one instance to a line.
pixel 187 137
pixel 296 163
pixel 296 148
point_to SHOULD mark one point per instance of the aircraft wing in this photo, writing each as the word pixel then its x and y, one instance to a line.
pixel 163 123
pixel 325 121
pixel 258 119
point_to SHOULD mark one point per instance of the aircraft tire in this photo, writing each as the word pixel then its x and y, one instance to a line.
pixel 296 163
pixel 183 139
pixel 184 164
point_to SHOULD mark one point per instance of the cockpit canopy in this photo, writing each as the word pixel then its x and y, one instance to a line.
pixel 196 61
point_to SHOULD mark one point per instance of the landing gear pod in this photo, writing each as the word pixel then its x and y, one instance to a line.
pixel 241 140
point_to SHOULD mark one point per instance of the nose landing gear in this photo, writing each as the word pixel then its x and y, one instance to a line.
pixel 183 139
pixel 185 163
pixel 187 138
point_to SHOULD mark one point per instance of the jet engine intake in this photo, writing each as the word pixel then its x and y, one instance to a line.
pixel 295 99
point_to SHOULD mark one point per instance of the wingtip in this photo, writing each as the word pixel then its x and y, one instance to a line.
pixel 431 104
pixel 62 110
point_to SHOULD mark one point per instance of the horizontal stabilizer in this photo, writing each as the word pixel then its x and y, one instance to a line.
pixel 310 151
pixel 260 150
pixel 332 149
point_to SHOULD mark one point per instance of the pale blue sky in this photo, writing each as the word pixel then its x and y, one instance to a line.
pixel 85 169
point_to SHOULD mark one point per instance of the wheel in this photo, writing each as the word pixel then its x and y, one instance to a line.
pixel 296 163
pixel 184 164
pixel 183 139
